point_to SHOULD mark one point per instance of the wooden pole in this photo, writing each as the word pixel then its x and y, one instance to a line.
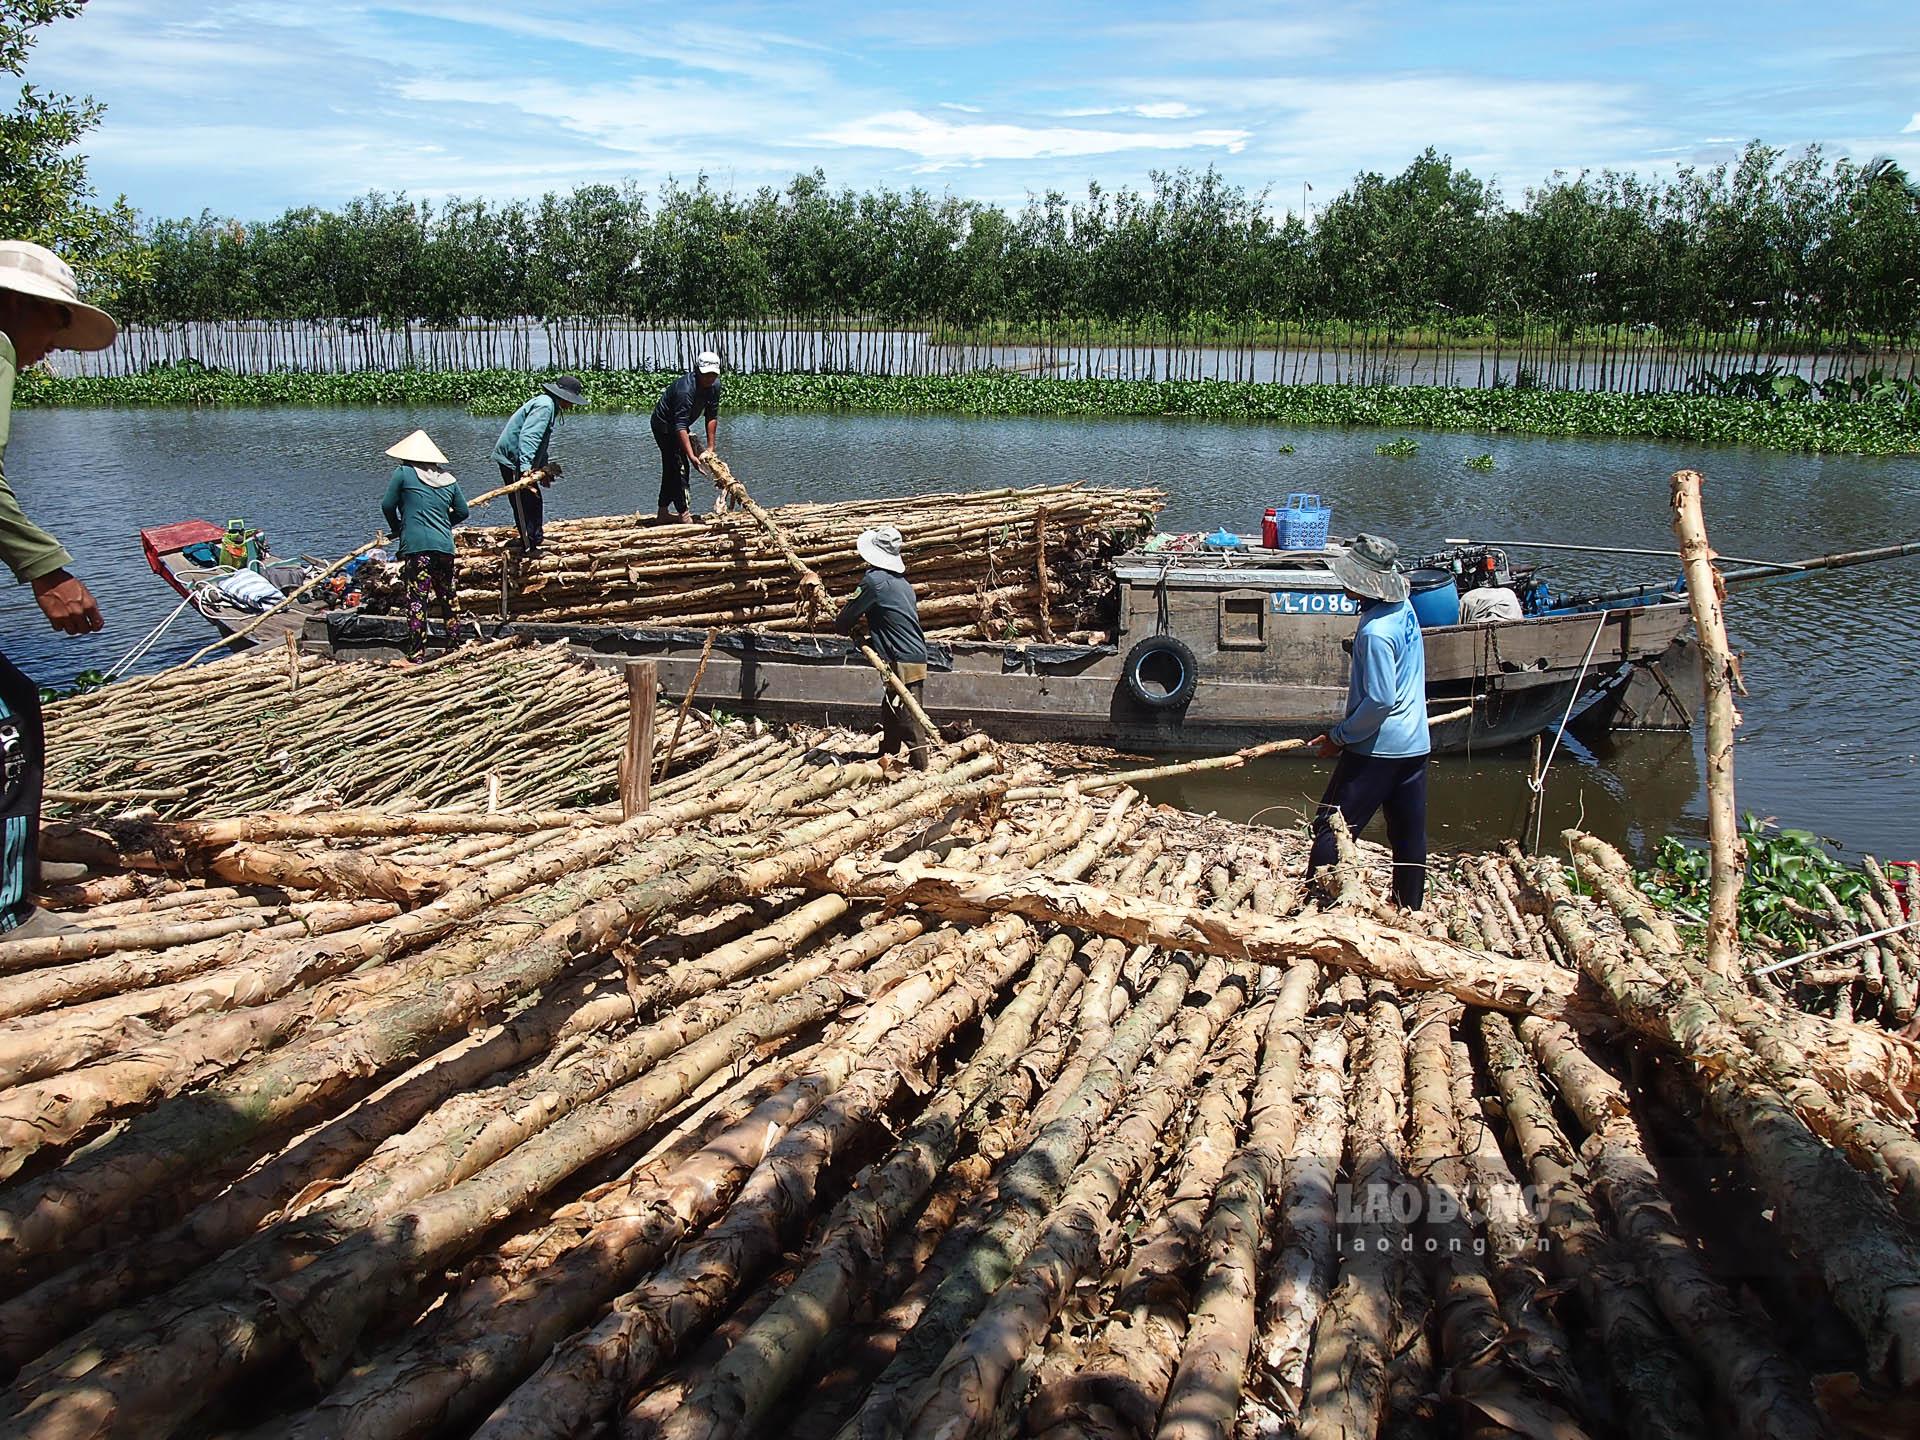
pixel 686 702
pixel 1536 797
pixel 636 762
pixel 1719 673
pixel 811 582
pixel 1040 582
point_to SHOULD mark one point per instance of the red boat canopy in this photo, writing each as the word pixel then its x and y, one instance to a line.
pixel 165 539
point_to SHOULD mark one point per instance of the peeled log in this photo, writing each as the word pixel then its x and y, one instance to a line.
pixel 1364 947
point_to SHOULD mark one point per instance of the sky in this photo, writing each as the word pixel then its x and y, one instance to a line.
pixel 246 107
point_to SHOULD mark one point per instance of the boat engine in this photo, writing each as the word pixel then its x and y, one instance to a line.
pixel 1483 567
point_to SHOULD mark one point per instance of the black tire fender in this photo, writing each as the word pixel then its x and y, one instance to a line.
pixel 1161 672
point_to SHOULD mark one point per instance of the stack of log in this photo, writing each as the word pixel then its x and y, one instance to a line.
pixel 992 564
pixel 823 1102
pixel 500 724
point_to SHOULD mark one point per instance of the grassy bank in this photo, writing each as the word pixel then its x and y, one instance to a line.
pixel 1836 427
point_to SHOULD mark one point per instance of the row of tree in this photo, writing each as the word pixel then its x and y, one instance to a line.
pixel 1801 244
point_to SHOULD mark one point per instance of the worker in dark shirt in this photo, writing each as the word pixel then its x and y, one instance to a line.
pixel 887 603
pixel 695 394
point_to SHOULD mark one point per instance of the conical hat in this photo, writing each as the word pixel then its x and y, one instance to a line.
pixel 417 449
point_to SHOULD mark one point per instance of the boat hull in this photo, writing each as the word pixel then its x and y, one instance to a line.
pixel 1519 678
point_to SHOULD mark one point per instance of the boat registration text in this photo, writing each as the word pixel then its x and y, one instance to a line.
pixel 1314 602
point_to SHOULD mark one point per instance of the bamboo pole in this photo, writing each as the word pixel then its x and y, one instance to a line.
pixel 811 582
pixel 1719 671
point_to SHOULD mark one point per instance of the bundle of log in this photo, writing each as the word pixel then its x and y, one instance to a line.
pixel 817 1101
pixel 992 564
pixel 500 724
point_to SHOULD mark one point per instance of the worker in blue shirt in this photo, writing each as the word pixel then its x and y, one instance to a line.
pixel 693 396
pixel 521 454
pixel 1382 745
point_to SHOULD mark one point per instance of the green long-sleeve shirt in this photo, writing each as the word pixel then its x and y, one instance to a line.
pixel 525 438
pixel 422 516
pixel 29 551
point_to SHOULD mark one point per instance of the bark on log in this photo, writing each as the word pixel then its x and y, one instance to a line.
pixel 1487 981
pixel 1707 596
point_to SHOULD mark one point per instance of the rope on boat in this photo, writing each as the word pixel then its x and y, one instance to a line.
pixel 1538 784
pixel 1838 946
pixel 150 639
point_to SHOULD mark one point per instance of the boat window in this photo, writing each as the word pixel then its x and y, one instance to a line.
pixel 1243 621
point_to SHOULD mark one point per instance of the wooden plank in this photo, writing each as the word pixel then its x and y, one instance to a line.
pixel 636 761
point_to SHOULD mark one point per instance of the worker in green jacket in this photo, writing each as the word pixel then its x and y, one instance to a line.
pixel 423 503
pixel 40 312
pixel 521 453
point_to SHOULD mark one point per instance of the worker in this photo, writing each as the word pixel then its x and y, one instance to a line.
pixel 1382 745
pixel 887 603
pixel 521 454
pixel 40 311
pixel 422 505
pixel 1488 603
pixel 694 394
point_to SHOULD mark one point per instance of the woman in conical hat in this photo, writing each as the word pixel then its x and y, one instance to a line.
pixel 423 505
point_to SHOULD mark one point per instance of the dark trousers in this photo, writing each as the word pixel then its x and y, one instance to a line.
pixel 898 727
pixel 22 754
pixel 673 467
pixel 529 510
pixel 1364 785
pixel 428 580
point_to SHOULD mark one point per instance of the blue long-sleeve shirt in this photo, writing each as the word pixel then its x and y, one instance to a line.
pixel 684 402
pixel 525 438
pixel 1387 689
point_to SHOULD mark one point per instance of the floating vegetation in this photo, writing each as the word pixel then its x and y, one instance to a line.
pixel 1479 462
pixel 1400 449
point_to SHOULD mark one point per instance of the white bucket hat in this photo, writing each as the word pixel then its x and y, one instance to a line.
pixel 30 269
pixel 417 449
pixel 880 547
pixel 706 363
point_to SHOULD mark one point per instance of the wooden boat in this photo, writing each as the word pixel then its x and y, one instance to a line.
pixel 185 555
pixel 1213 651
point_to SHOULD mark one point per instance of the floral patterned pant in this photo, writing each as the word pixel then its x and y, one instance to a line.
pixel 428 578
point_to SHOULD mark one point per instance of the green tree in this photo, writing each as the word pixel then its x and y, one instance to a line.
pixel 44 192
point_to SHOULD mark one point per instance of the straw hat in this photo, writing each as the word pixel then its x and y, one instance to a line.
pixel 1367 567
pixel 880 547
pixel 417 449
pixel 29 269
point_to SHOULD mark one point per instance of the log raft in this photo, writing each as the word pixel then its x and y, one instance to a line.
pixel 815 1100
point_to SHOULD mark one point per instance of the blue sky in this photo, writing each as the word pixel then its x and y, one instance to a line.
pixel 246 107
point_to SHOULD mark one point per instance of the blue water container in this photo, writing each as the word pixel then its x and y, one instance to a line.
pixel 1436 600
pixel 1303 524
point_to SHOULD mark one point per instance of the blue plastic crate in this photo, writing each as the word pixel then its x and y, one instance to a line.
pixel 1303 524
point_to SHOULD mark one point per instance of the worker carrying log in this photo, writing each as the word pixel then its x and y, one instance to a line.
pixel 40 311
pixel 892 611
pixel 521 452
pixel 1383 743
pixel 694 395
pixel 422 505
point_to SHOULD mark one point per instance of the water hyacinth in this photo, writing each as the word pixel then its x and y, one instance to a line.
pixel 1827 426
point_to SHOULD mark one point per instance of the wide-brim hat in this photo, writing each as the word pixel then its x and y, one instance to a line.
pixel 417 449
pixel 29 269
pixel 880 547
pixel 567 389
pixel 1367 567
pixel 706 362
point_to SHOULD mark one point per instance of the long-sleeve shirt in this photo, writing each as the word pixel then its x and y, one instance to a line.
pixel 422 516
pixel 684 402
pixel 892 612
pixel 29 551
pixel 1387 689
pixel 524 440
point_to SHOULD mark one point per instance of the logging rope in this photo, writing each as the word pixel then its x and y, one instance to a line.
pixel 146 642
pixel 1538 783
pixel 1839 945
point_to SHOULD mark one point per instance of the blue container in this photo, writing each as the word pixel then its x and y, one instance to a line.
pixel 1303 524
pixel 1436 600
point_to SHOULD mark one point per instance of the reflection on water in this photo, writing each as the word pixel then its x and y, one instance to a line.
pixel 1831 738
pixel 1631 791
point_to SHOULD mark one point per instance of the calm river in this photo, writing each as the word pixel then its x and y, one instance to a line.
pixel 1831 739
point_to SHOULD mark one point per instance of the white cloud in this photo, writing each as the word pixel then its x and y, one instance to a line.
pixel 941 142
pixel 1155 110
pixel 963 109
pixel 1912 127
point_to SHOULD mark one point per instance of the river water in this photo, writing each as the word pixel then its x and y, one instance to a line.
pixel 1831 739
